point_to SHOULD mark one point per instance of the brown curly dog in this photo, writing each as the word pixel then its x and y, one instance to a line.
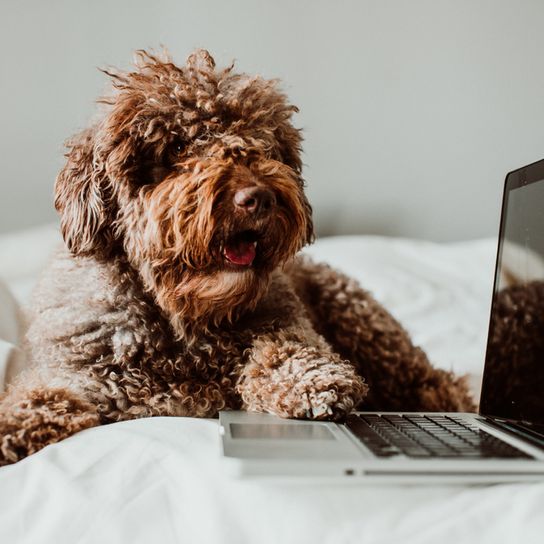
pixel 179 292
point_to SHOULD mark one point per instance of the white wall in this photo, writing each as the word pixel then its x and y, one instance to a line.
pixel 413 110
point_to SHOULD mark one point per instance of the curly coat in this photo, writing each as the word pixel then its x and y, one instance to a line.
pixel 172 298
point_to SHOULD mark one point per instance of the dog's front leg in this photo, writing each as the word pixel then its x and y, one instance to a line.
pixel 296 377
pixel 399 374
pixel 33 416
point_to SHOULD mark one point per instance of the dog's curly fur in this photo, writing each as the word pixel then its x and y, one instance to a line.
pixel 144 313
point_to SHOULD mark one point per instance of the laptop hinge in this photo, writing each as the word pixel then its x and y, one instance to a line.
pixel 521 431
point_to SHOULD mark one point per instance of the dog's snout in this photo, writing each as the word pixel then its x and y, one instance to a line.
pixel 255 200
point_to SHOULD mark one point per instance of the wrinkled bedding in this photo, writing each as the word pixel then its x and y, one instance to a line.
pixel 161 480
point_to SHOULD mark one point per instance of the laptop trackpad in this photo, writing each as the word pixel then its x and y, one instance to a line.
pixel 280 431
pixel 247 435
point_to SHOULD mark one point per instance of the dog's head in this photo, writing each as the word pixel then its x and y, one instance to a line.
pixel 194 177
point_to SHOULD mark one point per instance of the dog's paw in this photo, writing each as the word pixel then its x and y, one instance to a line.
pixel 328 397
pixel 304 387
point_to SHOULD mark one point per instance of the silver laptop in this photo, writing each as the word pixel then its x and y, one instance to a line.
pixel 503 442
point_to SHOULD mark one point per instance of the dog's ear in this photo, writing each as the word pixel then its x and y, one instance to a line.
pixel 289 141
pixel 310 233
pixel 81 199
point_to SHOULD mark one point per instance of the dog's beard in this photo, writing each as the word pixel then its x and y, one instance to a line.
pixel 213 298
pixel 202 264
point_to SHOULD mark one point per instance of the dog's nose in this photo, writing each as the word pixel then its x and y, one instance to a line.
pixel 255 200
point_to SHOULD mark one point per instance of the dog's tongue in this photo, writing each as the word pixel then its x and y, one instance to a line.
pixel 241 252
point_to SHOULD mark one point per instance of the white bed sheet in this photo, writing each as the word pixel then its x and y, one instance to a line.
pixel 161 479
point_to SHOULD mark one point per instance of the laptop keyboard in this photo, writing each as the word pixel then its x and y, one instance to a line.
pixel 428 436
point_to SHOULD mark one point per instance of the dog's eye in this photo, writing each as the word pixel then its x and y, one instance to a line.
pixel 174 151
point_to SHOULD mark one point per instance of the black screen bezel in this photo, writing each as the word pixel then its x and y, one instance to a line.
pixel 514 180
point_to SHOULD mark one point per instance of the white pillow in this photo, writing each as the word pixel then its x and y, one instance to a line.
pixel 23 256
pixel 11 334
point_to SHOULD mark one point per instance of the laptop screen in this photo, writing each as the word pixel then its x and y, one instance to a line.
pixel 513 384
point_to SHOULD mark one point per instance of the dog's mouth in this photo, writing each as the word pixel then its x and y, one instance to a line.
pixel 240 249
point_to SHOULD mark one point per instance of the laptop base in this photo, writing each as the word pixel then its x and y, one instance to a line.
pixel 265 446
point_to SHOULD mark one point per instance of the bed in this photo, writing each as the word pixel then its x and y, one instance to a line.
pixel 162 480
